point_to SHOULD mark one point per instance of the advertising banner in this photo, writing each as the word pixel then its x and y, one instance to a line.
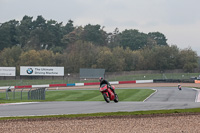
pixel 41 71
pixel 7 71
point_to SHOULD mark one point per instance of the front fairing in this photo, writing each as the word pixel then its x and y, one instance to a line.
pixel 103 88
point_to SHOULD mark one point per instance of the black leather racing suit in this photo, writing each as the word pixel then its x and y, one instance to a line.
pixel 108 84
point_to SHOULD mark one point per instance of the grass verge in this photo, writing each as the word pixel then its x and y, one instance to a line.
pixel 85 95
pixel 135 113
pixel 95 95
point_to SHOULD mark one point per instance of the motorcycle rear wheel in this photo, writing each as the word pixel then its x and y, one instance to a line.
pixel 106 98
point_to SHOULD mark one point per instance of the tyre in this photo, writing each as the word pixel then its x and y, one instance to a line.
pixel 106 98
pixel 116 99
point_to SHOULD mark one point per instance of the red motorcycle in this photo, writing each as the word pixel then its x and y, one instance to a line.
pixel 179 86
pixel 108 93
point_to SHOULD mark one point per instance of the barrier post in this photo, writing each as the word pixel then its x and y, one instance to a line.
pixel 7 91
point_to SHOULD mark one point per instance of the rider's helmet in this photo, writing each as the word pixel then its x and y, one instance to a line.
pixel 100 79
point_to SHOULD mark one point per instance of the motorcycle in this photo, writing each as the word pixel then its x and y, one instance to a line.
pixel 108 93
pixel 179 87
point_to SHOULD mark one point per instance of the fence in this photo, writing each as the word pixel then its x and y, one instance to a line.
pixel 22 94
pixel 13 94
pixel 38 94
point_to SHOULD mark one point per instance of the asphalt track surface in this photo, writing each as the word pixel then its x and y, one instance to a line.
pixel 163 98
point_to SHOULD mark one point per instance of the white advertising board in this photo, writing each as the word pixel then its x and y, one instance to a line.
pixel 41 71
pixel 7 71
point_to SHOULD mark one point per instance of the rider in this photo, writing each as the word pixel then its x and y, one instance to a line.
pixel 103 81
pixel 179 86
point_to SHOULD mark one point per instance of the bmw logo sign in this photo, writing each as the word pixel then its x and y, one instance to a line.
pixel 29 70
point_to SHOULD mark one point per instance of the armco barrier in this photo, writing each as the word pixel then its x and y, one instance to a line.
pixel 127 82
pixel 24 86
pixel 144 81
pixel 6 87
pixel 71 84
pixel 114 82
pixel 40 86
pixel 79 84
pixel 57 85
pixel 94 83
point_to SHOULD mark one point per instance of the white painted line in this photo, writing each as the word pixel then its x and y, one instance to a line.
pixel 29 115
pixel 20 103
pixel 150 95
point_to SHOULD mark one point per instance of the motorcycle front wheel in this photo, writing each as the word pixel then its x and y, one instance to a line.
pixel 106 98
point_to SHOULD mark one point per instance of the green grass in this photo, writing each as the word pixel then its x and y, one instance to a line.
pixel 87 95
pixel 135 113
pixel 95 95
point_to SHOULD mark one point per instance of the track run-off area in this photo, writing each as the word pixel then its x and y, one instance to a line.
pixel 166 96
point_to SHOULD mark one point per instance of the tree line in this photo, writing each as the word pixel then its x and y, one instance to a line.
pixel 43 42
